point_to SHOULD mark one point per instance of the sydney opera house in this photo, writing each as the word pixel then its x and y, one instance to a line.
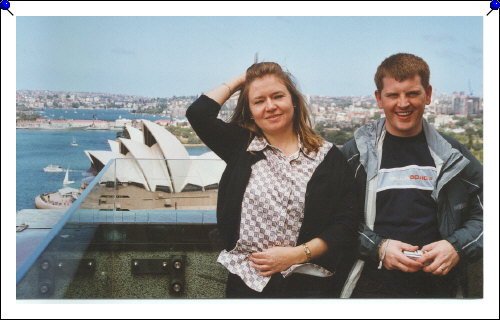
pixel 152 169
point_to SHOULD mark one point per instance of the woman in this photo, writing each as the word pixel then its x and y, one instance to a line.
pixel 286 198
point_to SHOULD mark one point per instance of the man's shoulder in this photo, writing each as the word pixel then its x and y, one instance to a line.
pixel 454 142
pixel 458 146
pixel 474 168
pixel 349 149
pixel 366 134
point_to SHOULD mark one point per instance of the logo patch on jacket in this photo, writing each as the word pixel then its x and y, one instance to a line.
pixel 410 177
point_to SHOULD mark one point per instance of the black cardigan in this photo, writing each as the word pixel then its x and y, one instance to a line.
pixel 330 211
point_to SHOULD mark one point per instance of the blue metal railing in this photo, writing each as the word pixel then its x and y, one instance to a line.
pixel 108 243
pixel 25 267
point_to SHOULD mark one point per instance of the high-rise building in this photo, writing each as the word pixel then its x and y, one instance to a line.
pixel 466 105
pixel 459 103
pixel 473 105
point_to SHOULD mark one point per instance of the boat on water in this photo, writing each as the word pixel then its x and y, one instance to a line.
pixel 53 168
pixel 66 178
pixel 61 199
pixel 73 143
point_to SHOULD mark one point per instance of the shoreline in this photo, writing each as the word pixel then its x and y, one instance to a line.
pixel 187 145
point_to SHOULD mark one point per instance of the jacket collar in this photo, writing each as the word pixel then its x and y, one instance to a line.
pixel 449 161
pixel 367 138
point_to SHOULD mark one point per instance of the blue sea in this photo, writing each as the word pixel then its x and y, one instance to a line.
pixel 37 149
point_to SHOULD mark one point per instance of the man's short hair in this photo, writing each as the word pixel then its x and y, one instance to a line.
pixel 402 66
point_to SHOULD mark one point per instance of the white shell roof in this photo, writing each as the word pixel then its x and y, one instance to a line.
pixel 155 171
pixel 114 145
pixel 126 170
pixel 206 169
pixel 178 170
pixel 104 156
pixel 135 134
pixel 172 150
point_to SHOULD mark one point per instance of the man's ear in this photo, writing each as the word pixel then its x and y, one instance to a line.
pixel 378 97
pixel 428 94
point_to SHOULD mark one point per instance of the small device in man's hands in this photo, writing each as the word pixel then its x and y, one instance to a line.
pixel 413 254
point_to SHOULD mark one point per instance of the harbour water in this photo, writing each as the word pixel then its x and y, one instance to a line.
pixel 37 149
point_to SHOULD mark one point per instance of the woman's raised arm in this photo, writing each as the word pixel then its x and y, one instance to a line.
pixel 225 90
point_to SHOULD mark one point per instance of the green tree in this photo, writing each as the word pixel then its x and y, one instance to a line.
pixel 462 122
pixel 338 137
pixel 27 117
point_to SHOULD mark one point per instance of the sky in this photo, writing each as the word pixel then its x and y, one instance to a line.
pixel 46 45
pixel 167 56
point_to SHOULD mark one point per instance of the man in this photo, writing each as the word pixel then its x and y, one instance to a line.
pixel 421 190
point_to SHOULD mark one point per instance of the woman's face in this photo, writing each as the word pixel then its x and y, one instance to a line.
pixel 271 105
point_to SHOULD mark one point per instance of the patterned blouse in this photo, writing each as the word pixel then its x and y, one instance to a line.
pixel 273 210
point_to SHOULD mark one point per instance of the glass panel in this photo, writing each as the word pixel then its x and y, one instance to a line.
pixel 142 229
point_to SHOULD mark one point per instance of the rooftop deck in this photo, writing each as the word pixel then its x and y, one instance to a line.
pixel 120 241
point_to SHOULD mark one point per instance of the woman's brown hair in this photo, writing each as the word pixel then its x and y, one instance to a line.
pixel 301 121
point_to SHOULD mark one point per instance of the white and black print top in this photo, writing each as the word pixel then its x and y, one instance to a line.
pixel 273 209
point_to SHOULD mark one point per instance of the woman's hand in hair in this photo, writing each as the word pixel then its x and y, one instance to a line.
pixel 238 82
pixel 225 90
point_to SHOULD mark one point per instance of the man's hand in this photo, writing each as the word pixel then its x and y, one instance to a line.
pixel 275 259
pixel 395 259
pixel 442 255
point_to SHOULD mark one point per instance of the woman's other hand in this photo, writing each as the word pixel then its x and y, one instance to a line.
pixel 276 259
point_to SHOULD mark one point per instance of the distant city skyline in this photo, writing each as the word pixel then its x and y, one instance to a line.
pixel 84 93
pixel 181 56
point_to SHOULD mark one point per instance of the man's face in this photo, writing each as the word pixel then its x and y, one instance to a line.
pixel 403 103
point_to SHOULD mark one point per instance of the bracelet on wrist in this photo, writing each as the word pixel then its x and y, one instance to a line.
pixel 228 88
pixel 386 242
pixel 307 251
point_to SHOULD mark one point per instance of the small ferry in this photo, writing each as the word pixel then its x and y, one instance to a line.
pixel 53 168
